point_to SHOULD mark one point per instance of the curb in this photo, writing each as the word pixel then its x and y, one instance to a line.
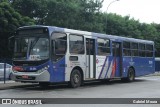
pixel 13 85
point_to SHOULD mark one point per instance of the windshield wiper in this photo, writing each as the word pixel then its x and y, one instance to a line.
pixel 32 44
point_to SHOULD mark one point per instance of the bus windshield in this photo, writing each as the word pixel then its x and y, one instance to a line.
pixel 31 48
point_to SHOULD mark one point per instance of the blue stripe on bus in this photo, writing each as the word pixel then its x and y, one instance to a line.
pixel 109 65
pixel 50 70
pixel 33 68
pixel 57 71
pixel 103 67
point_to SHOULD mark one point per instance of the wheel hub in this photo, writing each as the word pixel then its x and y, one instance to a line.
pixel 76 78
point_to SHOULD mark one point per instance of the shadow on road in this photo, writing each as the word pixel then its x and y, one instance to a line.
pixel 62 86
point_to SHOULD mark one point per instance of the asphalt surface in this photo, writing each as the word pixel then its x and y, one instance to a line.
pixel 142 87
pixel 12 85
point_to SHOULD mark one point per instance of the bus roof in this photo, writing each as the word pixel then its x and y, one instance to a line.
pixel 120 38
pixel 100 35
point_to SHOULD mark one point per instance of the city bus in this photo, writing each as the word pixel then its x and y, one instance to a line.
pixel 48 54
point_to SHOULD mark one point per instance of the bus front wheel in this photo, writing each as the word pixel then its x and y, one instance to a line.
pixel 75 79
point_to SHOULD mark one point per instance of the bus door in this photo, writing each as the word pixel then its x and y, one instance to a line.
pixel 90 58
pixel 117 59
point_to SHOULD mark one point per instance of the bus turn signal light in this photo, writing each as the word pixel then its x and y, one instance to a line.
pixel 17 68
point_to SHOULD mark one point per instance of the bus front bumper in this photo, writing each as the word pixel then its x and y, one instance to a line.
pixel 31 76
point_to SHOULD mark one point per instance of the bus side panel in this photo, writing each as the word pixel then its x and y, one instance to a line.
pixel 107 67
pixel 71 63
pixel 142 66
pixel 58 72
pixel 102 66
pixel 126 64
pixel 116 66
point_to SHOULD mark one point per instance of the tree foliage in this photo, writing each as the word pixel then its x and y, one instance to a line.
pixel 64 13
pixel 10 20
pixel 75 14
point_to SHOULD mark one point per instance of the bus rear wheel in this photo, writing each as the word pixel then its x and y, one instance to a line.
pixel 130 76
pixel 75 79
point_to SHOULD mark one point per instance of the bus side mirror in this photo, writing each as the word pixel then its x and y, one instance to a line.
pixel 11 41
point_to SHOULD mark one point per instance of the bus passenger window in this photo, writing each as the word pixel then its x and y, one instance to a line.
pixel 126 52
pixel 90 48
pixel 76 44
pixel 103 46
pixel 116 49
pixel 134 48
pixel 126 48
pixel 149 47
pixel 149 54
pixel 149 50
pixel 142 52
pixel 59 45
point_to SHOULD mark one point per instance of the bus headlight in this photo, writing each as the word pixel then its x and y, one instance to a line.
pixel 42 70
pixel 14 71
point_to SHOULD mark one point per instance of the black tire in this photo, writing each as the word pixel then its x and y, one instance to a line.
pixel 75 79
pixel 130 76
pixel 124 79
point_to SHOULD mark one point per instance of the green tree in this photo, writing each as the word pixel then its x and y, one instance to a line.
pixel 76 14
pixel 123 26
pixel 35 9
pixel 85 15
pixel 157 39
pixel 9 21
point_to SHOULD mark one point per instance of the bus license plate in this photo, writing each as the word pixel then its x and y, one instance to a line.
pixel 25 76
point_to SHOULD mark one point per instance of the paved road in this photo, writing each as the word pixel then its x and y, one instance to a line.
pixel 143 87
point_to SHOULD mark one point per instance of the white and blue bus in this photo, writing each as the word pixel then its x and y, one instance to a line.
pixel 48 54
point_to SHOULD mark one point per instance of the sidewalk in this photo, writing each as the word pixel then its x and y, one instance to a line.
pixel 156 74
pixel 12 84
